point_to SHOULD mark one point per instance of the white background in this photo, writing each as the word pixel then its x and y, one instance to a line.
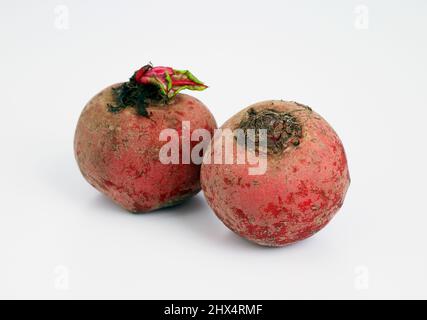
pixel 364 71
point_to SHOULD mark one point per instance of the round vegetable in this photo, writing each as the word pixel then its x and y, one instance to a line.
pixel 117 141
pixel 304 182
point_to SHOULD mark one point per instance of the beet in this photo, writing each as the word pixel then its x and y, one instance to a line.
pixel 117 138
pixel 304 183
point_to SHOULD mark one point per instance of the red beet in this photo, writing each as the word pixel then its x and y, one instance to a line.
pixel 117 139
pixel 304 184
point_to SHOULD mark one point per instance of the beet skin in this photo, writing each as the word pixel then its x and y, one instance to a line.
pixel 303 187
pixel 118 152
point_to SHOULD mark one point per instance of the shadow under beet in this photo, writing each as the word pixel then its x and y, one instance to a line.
pixel 193 215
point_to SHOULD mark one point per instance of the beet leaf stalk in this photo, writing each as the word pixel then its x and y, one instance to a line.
pixel 156 85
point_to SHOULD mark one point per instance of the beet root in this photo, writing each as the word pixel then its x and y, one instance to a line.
pixel 117 147
pixel 303 186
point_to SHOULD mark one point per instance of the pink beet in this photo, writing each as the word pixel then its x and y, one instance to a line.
pixel 303 187
pixel 117 139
